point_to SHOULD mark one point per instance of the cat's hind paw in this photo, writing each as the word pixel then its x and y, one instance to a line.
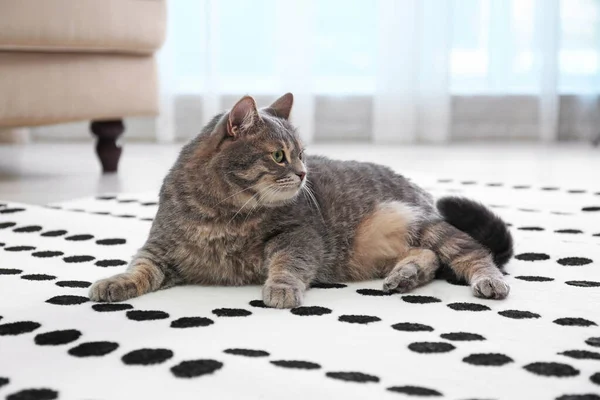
pixel 490 288
pixel 282 295
pixel 402 278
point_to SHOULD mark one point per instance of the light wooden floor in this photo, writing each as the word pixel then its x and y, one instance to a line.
pixel 44 173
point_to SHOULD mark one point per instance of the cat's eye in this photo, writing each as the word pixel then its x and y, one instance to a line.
pixel 278 156
pixel 301 155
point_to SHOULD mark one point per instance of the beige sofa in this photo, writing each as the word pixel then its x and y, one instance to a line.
pixel 73 60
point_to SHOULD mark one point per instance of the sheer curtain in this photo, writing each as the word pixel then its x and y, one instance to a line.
pixel 389 71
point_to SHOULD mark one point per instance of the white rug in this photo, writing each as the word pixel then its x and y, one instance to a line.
pixel 347 342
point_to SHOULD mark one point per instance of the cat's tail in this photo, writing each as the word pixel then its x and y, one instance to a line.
pixel 481 224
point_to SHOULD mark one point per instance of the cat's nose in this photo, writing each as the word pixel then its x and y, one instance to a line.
pixel 301 175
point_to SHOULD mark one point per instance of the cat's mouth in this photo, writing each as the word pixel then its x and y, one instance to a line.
pixel 285 189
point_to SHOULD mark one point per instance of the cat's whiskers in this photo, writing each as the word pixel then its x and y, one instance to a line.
pixel 306 189
pixel 244 205
pixel 258 203
pixel 236 193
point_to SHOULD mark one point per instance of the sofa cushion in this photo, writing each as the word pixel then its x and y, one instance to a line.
pixel 97 26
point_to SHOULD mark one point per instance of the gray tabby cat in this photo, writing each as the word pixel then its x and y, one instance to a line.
pixel 244 205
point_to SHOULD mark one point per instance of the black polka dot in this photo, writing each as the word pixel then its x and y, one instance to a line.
pixel 231 312
pixel 259 304
pixel 461 336
pixel 494 184
pixel 56 338
pixel 530 278
pixel 352 377
pixel 581 354
pixel 101 212
pixel 412 327
pixel 468 182
pixel 528 209
pixel 358 319
pixel 106 197
pixel 67 300
pixel 487 359
pixel 551 369
pixel 18 328
pixel 586 209
pixel 295 364
pixel 5 225
pixel 319 285
pixel 312 310
pixel 34 394
pixel 74 284
pixel 532 257
pixel 583 283
pixel 110 242
pixel 468 307
pixel 125 216
pixel 595 378
pixel 78 259
pixel 530 228
pixel 587 396
pixel 569 231
pixel 146 315
pixel 147 356
pixel 247 352
pixel 521 187
pixel 11 210
pixel 444 180
pixel 517 314
pixel 414 391
pixel 373 292
pixel 38 277
pixel 147 219
pixel 28 229
pixel 431 347
pixel 110 263
pixel 93 349
pixel 593 341
pixel 110 307
pixel 560 213
pixel 4 381
pixel 54 233
pixel 149 203
pixel 420 299
pixel 19 248
pixel 574 322
pixel 576 191
pixel 10 271
pixel 194 368
pixel 47 254
pixel 126 201
pixel 79 238
pixel 191 322
pixel 574 261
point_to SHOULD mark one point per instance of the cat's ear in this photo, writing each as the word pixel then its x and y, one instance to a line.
pixel 242 116
pixel 282 107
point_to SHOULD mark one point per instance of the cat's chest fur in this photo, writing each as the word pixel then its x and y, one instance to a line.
pixel 227 255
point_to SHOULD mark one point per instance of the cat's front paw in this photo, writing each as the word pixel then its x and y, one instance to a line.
pixel 490 288
pixel 282 295
pixel 116 288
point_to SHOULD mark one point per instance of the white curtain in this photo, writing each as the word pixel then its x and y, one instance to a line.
pixel 389 71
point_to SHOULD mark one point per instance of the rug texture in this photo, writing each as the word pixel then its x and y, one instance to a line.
pixel 348 341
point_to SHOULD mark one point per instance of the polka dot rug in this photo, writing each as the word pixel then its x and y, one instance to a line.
pixel 349 341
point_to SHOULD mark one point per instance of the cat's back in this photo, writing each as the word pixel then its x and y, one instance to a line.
pixel 363 184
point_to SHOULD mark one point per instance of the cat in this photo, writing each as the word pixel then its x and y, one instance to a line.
pixel 244 205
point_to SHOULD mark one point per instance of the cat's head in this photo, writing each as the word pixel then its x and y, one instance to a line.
pixel 254 155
